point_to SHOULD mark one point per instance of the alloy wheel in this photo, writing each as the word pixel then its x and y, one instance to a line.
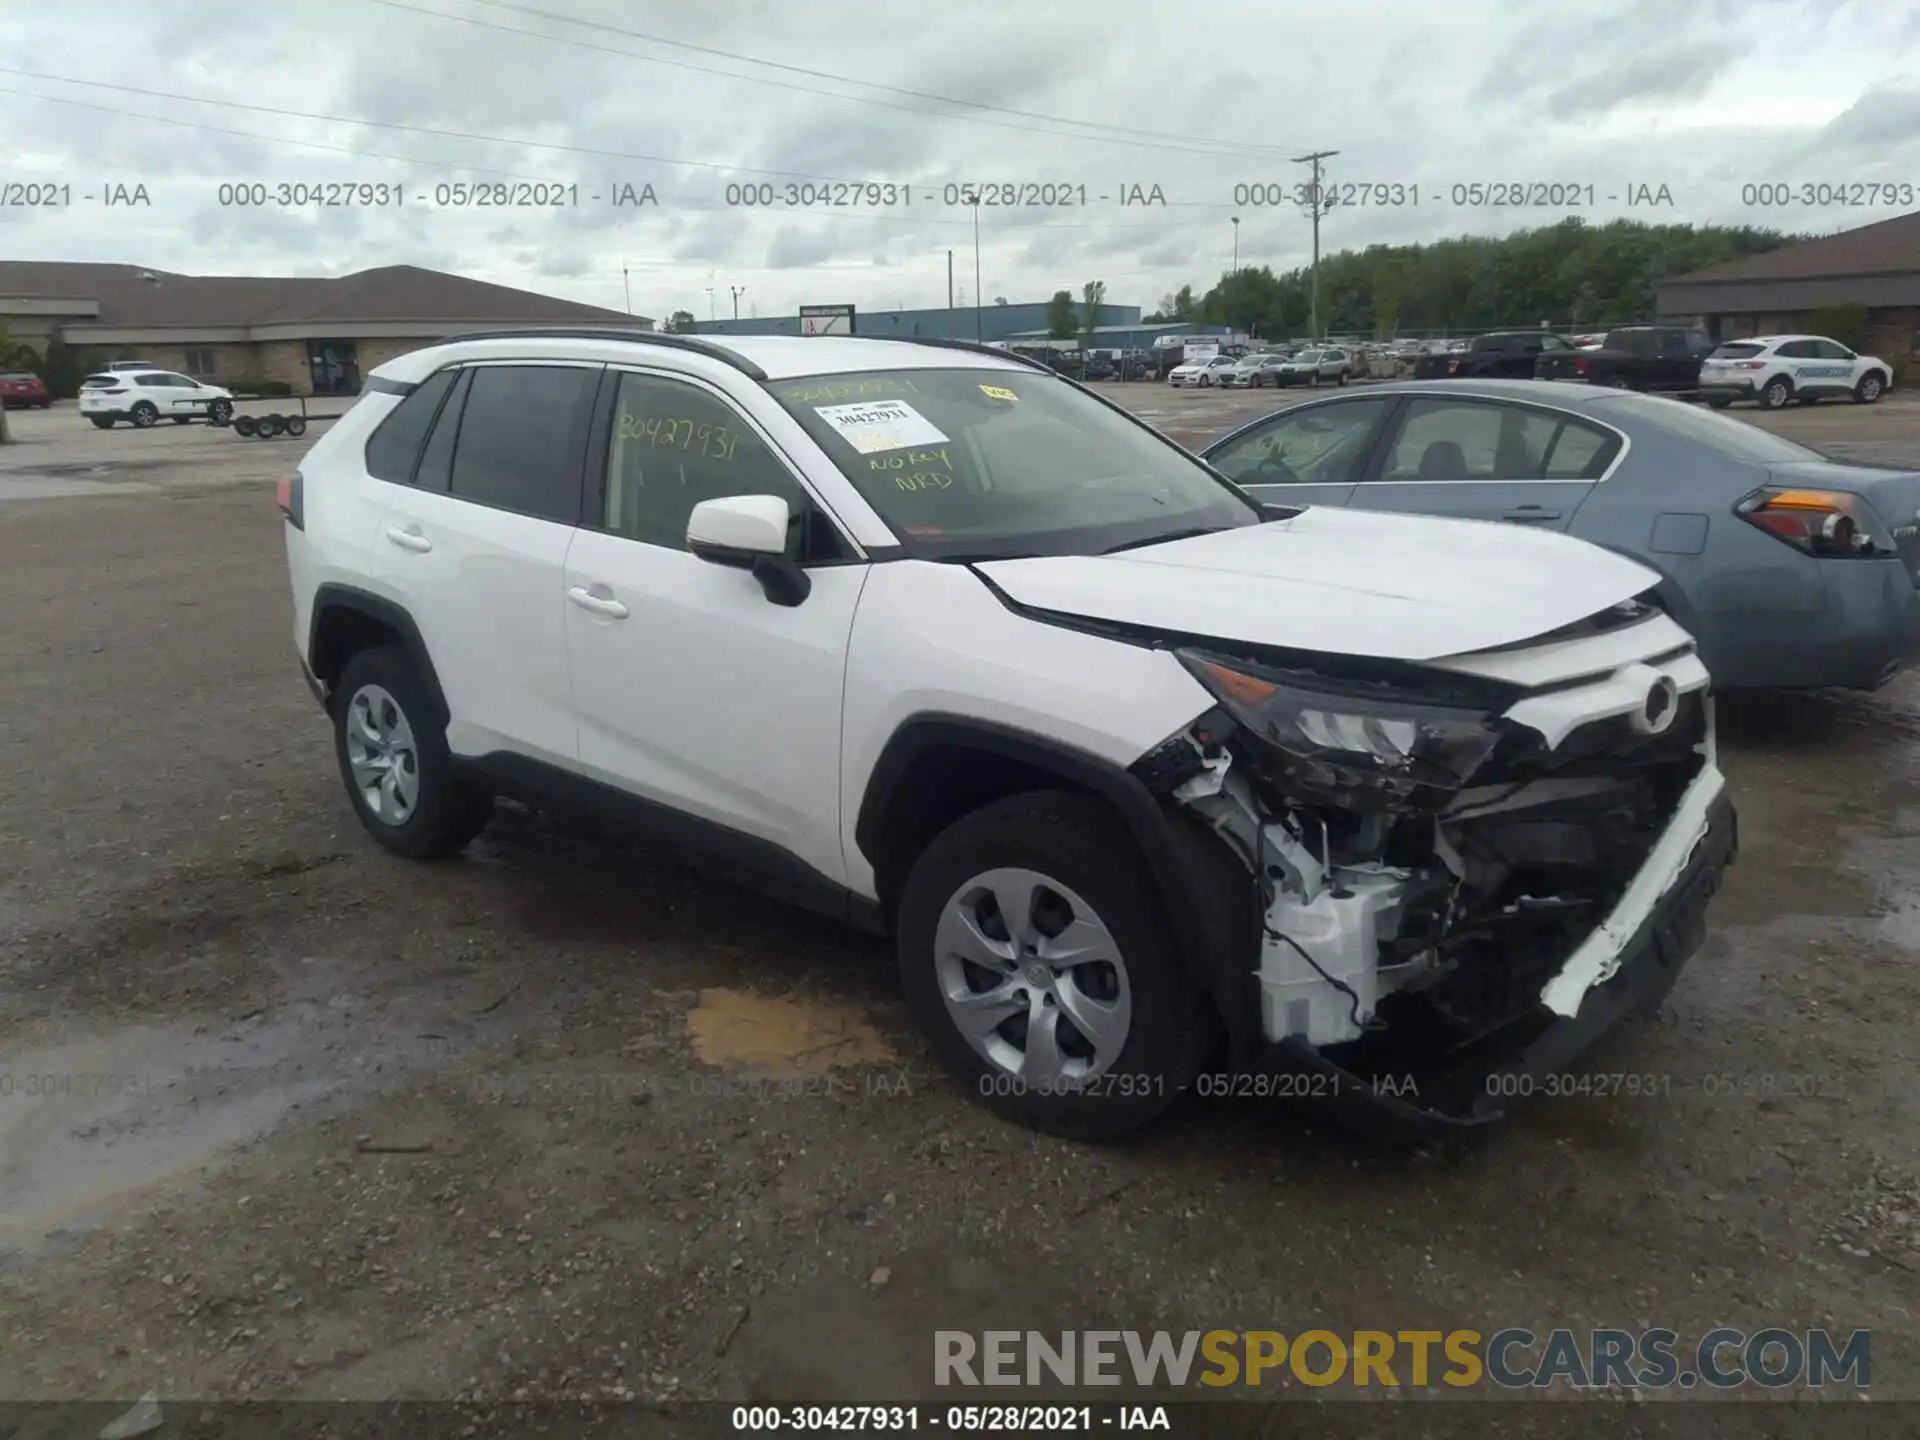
pixel 383 755
pixel 1032 978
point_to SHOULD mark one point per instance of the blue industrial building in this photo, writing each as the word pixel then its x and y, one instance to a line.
pixel 1117 337
pixel 995 322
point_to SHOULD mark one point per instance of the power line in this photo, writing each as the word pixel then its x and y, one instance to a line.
pixel 1136 135
pixel 1228 149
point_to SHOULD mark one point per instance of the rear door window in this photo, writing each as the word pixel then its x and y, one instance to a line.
pixel 523 438
pixel 394 447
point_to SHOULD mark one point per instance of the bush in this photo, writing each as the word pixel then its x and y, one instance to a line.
pixel 1845 323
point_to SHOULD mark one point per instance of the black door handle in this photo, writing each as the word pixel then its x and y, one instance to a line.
pixel 1530 512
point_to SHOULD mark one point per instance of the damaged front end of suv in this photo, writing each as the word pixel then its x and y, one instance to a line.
pixel 1464 870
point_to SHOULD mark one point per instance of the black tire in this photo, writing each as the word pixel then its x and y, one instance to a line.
pixel 1775 393
pixel 243 425
pixel 1071 839
pixel 1719 402
pixel 144 415
pixel 295 425
pixel 446 814
pixel 268 426
pixel 180 419
pixel 1871 387
pixel 220 412
pixel 101 422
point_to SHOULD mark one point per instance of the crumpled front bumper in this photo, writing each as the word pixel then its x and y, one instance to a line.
pixel 1649 961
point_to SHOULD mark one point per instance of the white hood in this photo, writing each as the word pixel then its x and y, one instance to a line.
pixel 1349 582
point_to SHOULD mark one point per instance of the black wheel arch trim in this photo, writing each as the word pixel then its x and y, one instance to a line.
pixel 332 598
pixel 1208 901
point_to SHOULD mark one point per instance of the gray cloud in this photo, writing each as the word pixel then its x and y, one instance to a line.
pixel 1473 90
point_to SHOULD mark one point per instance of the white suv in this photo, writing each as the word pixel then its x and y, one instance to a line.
pixel 145 396
pixel 1143 776
pixel 1773 369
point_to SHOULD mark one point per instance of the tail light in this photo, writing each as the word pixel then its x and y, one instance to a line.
pixel 1830 524
pixel 1580 366
pixel 1748 364
pixel 287 494
pixel 1453 367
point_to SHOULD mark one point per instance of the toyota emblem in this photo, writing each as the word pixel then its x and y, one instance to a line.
pixel 1658 709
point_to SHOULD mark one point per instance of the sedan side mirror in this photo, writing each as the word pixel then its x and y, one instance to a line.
pixel 750 532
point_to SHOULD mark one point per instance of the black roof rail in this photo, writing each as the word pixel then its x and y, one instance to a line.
pixel 641 337
pixel 978 347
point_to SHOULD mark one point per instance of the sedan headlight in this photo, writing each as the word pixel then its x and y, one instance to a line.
pixel 1340 745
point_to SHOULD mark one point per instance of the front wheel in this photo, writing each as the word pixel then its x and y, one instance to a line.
pixel 395 762
pixel 1870 389
pixel 1032 949
pixel 220 412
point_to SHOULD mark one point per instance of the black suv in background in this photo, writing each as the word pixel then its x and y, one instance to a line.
pixel 1505 355
pixel 1636 357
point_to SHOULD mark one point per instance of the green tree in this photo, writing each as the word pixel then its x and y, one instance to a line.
pixel 1092 296
pixel 1060 321
pixel 681 322
pixel 1845 323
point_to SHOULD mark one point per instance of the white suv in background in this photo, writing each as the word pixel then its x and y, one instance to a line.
pixel 1141 774
pixel 1774 369
pixel 146 396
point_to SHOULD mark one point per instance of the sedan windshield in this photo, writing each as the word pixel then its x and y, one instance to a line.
pixel 980 463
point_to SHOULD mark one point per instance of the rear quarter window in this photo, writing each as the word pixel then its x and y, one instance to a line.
pixel 394 447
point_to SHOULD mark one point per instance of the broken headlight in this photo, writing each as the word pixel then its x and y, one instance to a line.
pixel 1325 742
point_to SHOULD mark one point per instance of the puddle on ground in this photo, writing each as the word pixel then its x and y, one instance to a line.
pixel 783 1039
pixel 88 1124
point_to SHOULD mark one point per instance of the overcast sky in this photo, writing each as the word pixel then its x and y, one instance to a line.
pixel 1697 96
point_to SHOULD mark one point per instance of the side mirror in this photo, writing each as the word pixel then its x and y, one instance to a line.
pixel 749 532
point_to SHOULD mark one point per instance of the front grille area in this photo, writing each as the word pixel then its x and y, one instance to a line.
pixel 1601 747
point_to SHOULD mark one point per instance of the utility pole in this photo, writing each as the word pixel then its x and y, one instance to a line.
pixel 949 294
pixel 626 286
pixel 738 291
pixel 710 314
pixel 1317 207
pixel 972 197
pixel 1236 245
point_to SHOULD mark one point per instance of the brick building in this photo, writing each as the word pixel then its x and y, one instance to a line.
pixel 319 335
pixel 1876 267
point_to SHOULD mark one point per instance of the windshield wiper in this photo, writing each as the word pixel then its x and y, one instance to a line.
pixel 1167 538
pixel 982 557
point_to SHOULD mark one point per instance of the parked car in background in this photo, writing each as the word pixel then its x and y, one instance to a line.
pixel 1774 369
pixel 1635 357
pixel 23 390
pixel 1315 365
pixel 1792 571
pixel 1591 341
pixel 1250 372
pixel 1142 781
pixel 145 397
pixel 1505 354
pixel 1200 373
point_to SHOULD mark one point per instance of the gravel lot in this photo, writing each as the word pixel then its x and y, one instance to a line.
pixel 559 1119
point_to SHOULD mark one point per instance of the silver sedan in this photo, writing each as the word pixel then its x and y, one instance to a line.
pixel 1792 571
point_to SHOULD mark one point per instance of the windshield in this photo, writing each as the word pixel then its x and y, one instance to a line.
pixel 980 463
pixel 1733 438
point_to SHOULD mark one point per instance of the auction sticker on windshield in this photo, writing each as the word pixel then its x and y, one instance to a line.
pixel 881 425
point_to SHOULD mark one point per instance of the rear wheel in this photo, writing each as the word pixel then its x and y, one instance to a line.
pixel 243 426
pixel 1775 393
pixel 295 425
pixel 268 426
pixel 144 415
pixel 1032 949
pixel 395 761
pixel 101 422
pixel 1870 389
